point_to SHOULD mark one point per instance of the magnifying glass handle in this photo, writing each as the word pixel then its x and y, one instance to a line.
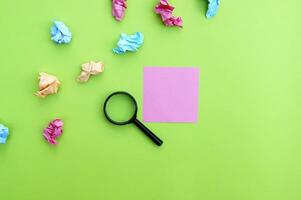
pixel 148 132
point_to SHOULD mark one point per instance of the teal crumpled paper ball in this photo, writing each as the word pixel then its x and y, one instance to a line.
pixel 212 8
pixel 60 33
pixel 3 134
pixel 129 43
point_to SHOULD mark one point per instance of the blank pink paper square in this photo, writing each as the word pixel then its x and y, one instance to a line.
pixel 170 94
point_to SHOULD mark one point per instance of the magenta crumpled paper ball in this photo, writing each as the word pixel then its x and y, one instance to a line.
pixel 165 10
pixel 118 9
pixel 53 131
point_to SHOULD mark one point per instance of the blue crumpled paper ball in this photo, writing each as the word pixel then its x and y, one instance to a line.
pixel 60 33
pixel 3 134
pixel 212 8
pixel 129 43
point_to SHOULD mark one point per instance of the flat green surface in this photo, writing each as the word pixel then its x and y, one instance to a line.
pixel 246 145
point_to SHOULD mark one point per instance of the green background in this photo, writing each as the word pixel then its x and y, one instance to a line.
pixel 246 145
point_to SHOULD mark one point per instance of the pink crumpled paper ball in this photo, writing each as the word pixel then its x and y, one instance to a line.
pixel 165 11
pixel 53 131
pixel 118 9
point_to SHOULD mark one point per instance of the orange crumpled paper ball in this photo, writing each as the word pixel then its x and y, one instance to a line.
pixel 48 84
pixel 90 68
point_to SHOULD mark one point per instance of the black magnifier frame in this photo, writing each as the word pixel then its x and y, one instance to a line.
pixel 133 119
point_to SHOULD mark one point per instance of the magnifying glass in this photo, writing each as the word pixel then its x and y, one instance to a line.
pixel 120 108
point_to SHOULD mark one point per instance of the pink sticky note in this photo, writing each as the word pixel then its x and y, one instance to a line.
pixel 170 94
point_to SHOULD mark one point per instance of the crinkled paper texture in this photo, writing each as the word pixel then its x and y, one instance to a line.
pixel 4 132
pixel 129 43
pixel 48 84
pixel 118 9
pixel 165 11
pixel 90 68
pixel 60 33
pixel 53 131
pixel 212 8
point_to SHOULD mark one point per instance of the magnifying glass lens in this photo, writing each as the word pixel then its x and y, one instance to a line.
pixel 120 108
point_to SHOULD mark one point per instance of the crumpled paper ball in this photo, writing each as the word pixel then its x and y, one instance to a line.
pixel 165 10
pixel 212 8
pixel 48 84
pixel 53 131
pixel 60 33
pixel 129 43
pixel 4 132
pixel 118 9
pixel 90 68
